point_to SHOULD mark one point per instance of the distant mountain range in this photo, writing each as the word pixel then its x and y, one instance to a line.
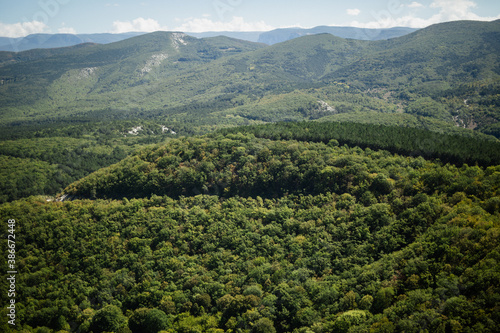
pixel 207 82
pixel 281 35
pixel 45 41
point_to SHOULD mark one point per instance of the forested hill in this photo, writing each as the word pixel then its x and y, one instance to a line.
pixel 233 233
pixel 242 165
pixel 442 53
pixel 447 73
pixel 405 141
pixel 89 77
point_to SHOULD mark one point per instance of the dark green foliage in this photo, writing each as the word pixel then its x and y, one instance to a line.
pixel 370 242
pixel 24 177
pixel 405 141
pixel 242 165
pixel 383 299
pixel 108 319
pixel 45 165
pixel 148 321
pixel 263 325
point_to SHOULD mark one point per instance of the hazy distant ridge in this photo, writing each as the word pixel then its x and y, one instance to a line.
pixel 46 41
pixel 281 35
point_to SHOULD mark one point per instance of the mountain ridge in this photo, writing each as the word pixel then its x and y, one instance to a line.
pixel 171 73
pixel 37 41
pixel 284 34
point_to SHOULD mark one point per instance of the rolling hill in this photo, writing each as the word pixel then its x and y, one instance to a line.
pixel 227 232
pixel 46 41
pixel 444 79
pixel 104 72
pixel 428 73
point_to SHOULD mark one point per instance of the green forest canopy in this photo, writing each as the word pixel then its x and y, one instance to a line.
pixel 371 241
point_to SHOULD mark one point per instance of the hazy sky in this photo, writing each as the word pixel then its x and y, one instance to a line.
pixel 23 17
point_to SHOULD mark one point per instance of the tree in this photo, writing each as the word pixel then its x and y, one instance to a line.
pixel 383 299
pixel 263 325
pixel 349 318
pixel 383 326
pixel 348 302
pixel 381 184
pixel 108 319
pixel 148 321
pixel 366 302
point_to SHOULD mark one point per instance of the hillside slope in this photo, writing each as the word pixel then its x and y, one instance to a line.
pixel 225 82
pixel 261 235
pixel 100 74
pixel 461 51
pixel 288 227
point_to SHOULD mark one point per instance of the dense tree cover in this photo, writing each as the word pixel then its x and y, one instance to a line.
pixel 51 166
pixel 239 164
pixel 227 82
pixel 407 141
pixel 377 242
pixel 44 159
pixel 76 148
pixel 22 177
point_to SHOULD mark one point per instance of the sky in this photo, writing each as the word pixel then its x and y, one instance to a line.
pixel 22 17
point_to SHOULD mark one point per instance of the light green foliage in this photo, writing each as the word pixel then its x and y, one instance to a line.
pixel 427 107
pixel 349 318
pixel 263 325
pixel 198 85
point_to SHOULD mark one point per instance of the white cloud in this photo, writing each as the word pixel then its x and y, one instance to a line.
pixel 22 29
pixel 452 10
pixel 66 30
pixel 403 21
pixel 353 12
pixel 236 24
pixel 415 4
pixel 449 10
pixel 139 24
